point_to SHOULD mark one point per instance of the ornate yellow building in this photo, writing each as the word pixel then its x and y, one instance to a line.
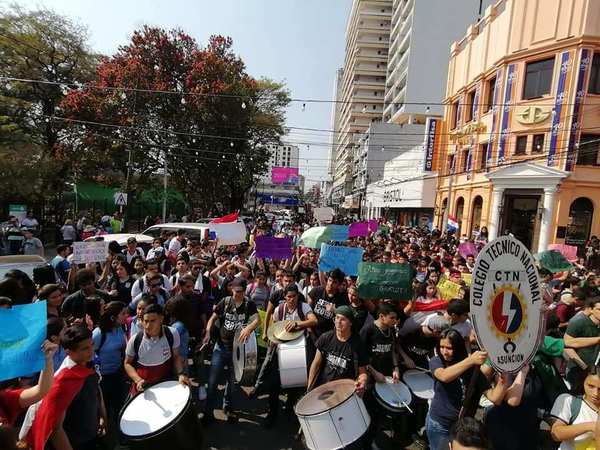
pixel 520 147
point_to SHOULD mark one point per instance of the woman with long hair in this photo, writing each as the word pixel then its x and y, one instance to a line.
pixel 458 385
pixel 54 295
pixel 577 416
pixel 109 344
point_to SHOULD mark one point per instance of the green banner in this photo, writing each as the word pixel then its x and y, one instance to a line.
pixel 385 281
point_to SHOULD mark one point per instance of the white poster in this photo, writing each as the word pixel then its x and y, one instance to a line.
pixel 229 233
pixel 90 252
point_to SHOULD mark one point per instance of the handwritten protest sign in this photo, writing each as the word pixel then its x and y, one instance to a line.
pixel 344 258
pixel 467 278
pixel 385 281
pixel 90 252
pixel 229 233
pixel 358 229
pixel 448 289
pixel 568 251
pixel 272 247
pixel 23 332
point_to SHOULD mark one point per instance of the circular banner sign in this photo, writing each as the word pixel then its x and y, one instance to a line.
pixel 506 304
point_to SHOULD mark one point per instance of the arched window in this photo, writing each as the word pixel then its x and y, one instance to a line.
pixel 460 207
pixel 476 214
pixel 581 213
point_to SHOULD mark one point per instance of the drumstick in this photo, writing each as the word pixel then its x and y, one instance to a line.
pixel 406 406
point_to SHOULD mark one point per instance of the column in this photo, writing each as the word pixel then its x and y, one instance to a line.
pixel 547 214
pixel 494 222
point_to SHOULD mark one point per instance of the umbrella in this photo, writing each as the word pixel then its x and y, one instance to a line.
pixel 553 261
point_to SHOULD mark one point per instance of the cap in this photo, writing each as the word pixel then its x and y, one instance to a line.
pixel 346 311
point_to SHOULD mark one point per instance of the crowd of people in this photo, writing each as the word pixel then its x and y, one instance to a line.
pixel 118 327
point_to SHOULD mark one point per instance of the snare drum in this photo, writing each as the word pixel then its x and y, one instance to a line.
pixel 420 383
pixel 291 356
pixel 332 416
pixel 245 357
pixel 160 415
pixel 394 397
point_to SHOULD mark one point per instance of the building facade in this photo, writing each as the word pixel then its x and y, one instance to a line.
pixel 420 39
pixel 520 153
pixel 362 84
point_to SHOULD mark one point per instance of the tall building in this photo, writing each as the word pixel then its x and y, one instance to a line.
pixel 276 195
pixel 363 84
pixel 521 152
pixel 420 39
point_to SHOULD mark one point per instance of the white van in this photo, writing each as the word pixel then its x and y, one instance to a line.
pixel 195 231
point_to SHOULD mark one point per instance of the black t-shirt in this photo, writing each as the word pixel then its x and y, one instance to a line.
pixel 448 398
pixel 232 318
pixel 340 359
pixel 379 347
pixel 321 300
pixel 123 288
pixel 361 314
pixel 74 304
pixel 81 419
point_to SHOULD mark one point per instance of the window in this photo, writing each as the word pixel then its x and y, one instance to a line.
pixel 454 117
pixel 482 156
pixel 450 164
pixel 594 87
pixel 538 78
pixel 491 85
pixel 521 146
pixel 589 146
pixel 464 160
pixel 469 105
pixel 538 143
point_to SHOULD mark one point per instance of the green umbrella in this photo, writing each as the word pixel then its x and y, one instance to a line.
pixel 553 261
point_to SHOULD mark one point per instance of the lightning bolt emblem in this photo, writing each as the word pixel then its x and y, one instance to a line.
pixel 507 310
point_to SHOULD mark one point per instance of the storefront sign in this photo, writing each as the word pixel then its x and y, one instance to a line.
pixel 495 109
pixel 430 136
pixel 506 304
pixel 561 98
pixel 511 78
pixel 584 64
pixel 530 115
pixel 465 135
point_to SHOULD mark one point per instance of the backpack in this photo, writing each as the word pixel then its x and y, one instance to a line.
pixel 281 312
pixel 138 341
pixel 575 408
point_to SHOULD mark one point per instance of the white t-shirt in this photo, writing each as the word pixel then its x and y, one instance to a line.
pixel 153 351
pixel 306 309
pixel 562 410
pixel 174 246
pixel 135 289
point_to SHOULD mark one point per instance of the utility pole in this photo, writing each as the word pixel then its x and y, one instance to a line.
pixel 165 184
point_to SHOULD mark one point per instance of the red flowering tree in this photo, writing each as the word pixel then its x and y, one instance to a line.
pixel 164 99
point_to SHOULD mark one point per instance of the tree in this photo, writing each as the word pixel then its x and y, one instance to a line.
pixel 209 123
pixel 46 47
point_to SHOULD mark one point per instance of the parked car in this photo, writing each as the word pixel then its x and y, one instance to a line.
pixel 25 263
pixel 195 231
pixel 144 240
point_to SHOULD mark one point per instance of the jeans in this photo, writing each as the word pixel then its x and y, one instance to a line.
pixel 221 357
pixel 437 434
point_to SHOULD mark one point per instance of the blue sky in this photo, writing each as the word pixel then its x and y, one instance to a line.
pixel 300 42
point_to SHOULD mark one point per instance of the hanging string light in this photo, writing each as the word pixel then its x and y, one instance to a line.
pixel 243 105
pixel 183 102
pixel 231 144
pixel 303 107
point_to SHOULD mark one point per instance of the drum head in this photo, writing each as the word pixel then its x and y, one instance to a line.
pixel 244 358
pixel 325 397
pixel 420 383
pixel 155 410
pixel 395 396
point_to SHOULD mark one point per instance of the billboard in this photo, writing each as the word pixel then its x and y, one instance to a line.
pixel 284 175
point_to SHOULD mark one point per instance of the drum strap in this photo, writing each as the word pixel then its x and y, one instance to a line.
pixel 138 341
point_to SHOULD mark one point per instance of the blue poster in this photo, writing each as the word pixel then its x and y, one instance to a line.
pixel 22 332
pixel 344 258
pixel 338 233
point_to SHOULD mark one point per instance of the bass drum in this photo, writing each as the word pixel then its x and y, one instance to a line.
pixel 420 383
pixel 162 416
pixel 293 369
pixel 332 416
pixel 245 357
